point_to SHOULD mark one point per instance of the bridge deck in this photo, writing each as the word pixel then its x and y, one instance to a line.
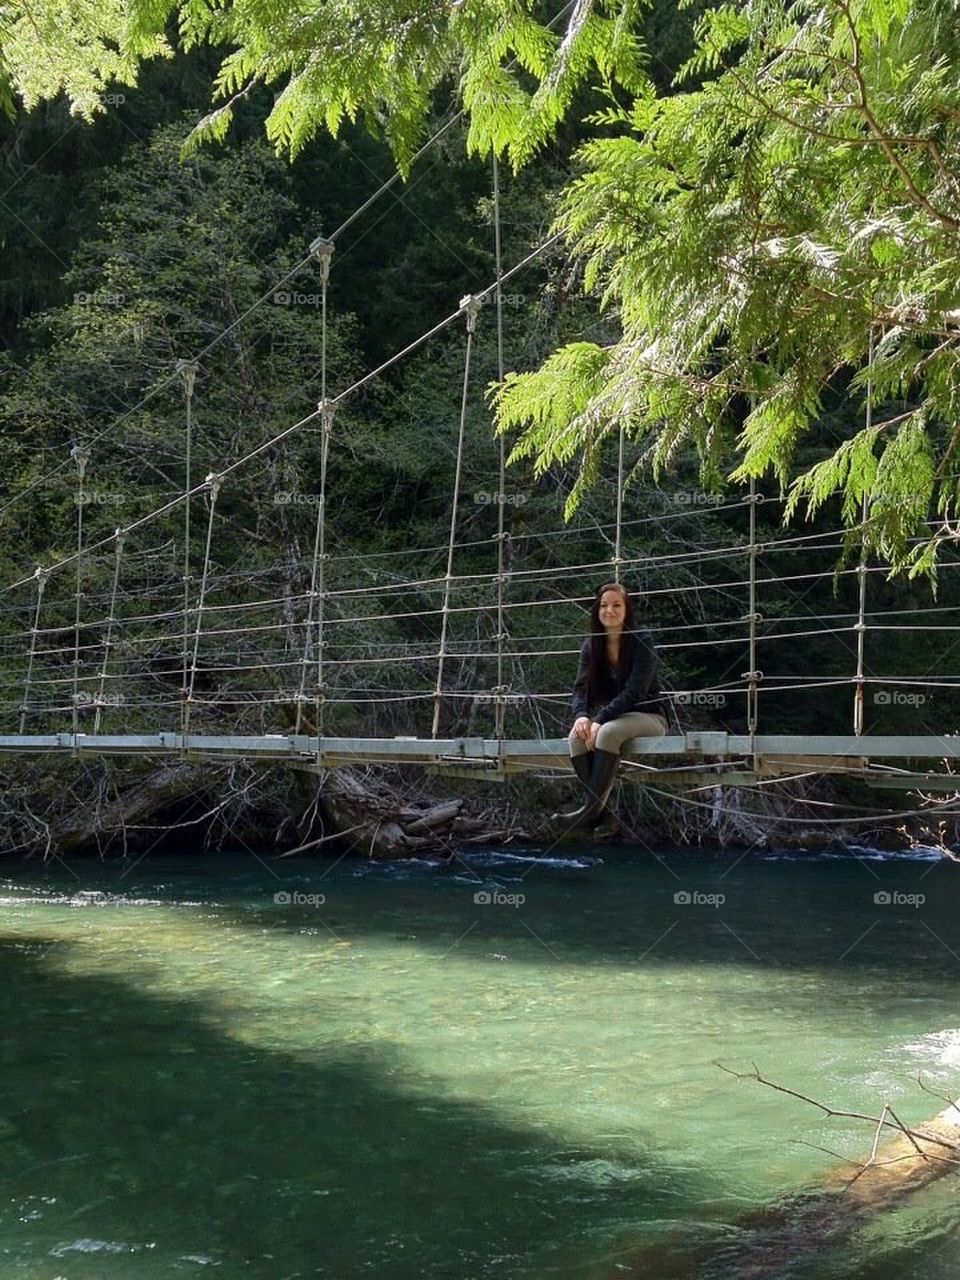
pixel 697 756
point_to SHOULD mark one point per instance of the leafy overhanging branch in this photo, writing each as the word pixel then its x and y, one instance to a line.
pixel 341 61
pixel 756 237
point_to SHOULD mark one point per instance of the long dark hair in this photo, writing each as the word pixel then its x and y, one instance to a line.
pixel 597 664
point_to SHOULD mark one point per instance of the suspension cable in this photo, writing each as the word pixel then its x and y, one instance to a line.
pixel 40 578
pixel 861 627
pixel 470 306
pixel 107 639
pixel 618 538
pixel 212 484
pixel 324 250
pixel 81 455
pixel 500 689
pixel 188 372
pixel 753 676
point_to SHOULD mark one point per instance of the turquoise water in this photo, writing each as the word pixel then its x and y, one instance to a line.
pixel 405 1081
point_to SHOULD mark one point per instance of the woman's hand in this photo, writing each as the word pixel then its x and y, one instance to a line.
pixel 582 727
pixel 591 738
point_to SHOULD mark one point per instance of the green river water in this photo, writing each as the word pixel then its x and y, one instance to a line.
pixel 422 1076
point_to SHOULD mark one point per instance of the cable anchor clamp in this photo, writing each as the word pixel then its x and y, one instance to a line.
pixel 327 410
pixel 81 456
pixel 187 370
pixel 213 482
pixel 470 304
pixel 322 249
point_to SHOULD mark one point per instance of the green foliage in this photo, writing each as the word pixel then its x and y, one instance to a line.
pixel 341 61
pixel 751 233
pixel 79 48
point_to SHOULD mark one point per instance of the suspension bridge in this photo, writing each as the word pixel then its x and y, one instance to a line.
pixel 144 642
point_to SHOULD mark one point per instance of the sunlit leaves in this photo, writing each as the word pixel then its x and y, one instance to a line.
pixel 758 233
pixel 80 48
pixel 382 61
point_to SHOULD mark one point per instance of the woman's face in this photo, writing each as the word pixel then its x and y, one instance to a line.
pixel 613 610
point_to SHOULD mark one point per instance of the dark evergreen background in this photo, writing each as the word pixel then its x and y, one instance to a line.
pixel 120 259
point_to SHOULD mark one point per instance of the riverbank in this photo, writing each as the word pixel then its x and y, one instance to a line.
pixel 120 808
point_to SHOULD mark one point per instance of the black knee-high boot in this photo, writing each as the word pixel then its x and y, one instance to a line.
pixel 603 774
pixel 583 768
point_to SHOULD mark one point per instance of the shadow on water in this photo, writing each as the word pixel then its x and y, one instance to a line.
pixel 343 1160
pixel 138 1140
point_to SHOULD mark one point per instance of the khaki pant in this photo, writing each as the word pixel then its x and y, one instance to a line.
pixel 613 734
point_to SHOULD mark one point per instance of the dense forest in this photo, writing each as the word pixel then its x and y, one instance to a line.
pixel 127 257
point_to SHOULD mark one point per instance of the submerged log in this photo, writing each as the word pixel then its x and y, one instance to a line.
pixel 776 1236
pixel 830 1212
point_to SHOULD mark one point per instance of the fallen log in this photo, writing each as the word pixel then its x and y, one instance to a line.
pixel 376 818
pixel 91 827
pixel 830 1212
pixel 440 815
pixel 777 1235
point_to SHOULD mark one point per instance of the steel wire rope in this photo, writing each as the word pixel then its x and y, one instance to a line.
pixel 675 694
pixel 107 638
pixel 933 811
pixel 862 575
pixel 81 456
pixel 500 689
pixel 408 586
pixel 40 578
pixel 212 484
pixel 544 603
pixel 550 603
pixel 188 372
pixel 435 654
pixel 667 560
pixel 319 535
pixel 753 676
pixel 471 307
pixel 407 552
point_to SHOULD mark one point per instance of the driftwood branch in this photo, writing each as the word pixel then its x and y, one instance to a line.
pixel 880 1121
pixel 772 1239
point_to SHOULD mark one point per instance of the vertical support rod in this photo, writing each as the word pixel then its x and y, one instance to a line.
pixel 188 371
pixel 618 543
pixel 40 577
pixel 861 627
pixel 500 705
pixel 317 583
pixel 80 455
pixel 108 638
pixel 323 251
pixel 471 308
pixel 753 676
pixel 213 483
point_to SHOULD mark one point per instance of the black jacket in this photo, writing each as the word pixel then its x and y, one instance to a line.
pixel 637 691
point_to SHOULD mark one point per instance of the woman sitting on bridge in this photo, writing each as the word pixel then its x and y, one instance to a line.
pixel 615 697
